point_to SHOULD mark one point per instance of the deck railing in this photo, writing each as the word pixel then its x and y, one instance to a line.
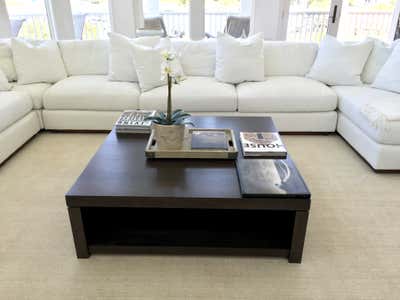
pixel 312 25
pixel 36 26
pixel 96 26
pixel 302 26
pixel 361 24
pixel 307 26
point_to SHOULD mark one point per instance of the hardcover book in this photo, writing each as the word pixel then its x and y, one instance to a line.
pixel 262 144
pixel 262 177
pixel 209 140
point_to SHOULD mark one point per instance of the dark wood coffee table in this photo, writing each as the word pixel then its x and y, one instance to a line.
pixel 124 203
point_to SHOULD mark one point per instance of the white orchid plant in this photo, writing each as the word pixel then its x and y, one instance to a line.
pixel 178 116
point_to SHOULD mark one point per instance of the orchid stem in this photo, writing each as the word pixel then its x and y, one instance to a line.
pixel 169 108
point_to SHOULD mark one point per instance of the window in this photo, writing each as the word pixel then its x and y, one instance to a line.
pixel 217 13
pixel 28 19
pixel 175 14
pixel 91 19
pixel 308 20
pixel 367 18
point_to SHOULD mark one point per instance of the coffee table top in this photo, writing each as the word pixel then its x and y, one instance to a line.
pixel 120 175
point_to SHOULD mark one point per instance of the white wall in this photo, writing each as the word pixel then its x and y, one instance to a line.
pixel 270 17
pixel 245 7
pixel 61 19
pixel 5 27
pixel 122 17
pixel 196 19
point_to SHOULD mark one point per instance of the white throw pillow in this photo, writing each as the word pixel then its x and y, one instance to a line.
pixel 37 63
pixel 148 62
pixel 197 57
pixel 379 55
pixel 239 60
pixel 6 60
pixel 340 63
pixel 121 65
pixel 389 76
pixel 4 84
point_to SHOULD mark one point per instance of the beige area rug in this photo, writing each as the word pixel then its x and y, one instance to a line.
pixel 352 249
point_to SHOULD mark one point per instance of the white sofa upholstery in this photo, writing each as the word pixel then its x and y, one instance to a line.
pixel 35 91
pixel 91 92
pixel 87 100
pixel 351 101
pixel 288 58
pixel 85 57
pixel 195 94
pixel 285 94
pixel 13 107
pixel 18 123
pixel 378 143
pixel 379 156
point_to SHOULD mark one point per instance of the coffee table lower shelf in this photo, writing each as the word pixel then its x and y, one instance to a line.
pixel 115 230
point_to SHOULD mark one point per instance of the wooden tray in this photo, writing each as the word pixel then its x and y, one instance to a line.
pixel 186 151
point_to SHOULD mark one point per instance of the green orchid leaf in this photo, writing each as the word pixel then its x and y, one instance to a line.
pixel 180 115
pixel 177 111
pixel 180 120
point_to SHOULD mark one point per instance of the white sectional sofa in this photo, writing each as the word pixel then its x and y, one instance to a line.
pixel 87 100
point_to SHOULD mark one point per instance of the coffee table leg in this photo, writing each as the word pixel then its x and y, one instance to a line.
pixel 78 232
pixel 299 235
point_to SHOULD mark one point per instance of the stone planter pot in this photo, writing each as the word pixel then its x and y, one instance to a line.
pixel 169 137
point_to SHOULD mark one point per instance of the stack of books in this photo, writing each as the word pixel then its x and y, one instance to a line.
pixel 262 144
pixel 134 121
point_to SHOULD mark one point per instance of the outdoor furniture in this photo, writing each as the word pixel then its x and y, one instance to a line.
pixel 238 26
pixel 153 26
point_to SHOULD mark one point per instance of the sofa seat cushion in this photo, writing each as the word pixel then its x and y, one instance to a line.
pixel 13 107
pixel 352 100
pixel 35 91
pixel 286 94
pixel 91 92
pixel 195 94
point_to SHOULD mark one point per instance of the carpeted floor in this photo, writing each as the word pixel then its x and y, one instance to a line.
pixel 352 249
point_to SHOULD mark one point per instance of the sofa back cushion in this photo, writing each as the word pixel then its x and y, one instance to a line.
pixel 6 60
pixel 85 57
pixel 340 63
pixel 4 84
pixel 281 58
pixel 196 57
pixel 239 60
pixel 388 77
pixel 288 58
pixel 37 62
pixel 378 57
pixel 121 62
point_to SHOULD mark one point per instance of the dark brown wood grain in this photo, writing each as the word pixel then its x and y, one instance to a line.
pixel 120 185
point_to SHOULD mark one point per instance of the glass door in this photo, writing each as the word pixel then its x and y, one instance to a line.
pixel 91 19
pixel 175 15
pixel 28 19
pixel 217 13
pixel 367 18
pixel 309 19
